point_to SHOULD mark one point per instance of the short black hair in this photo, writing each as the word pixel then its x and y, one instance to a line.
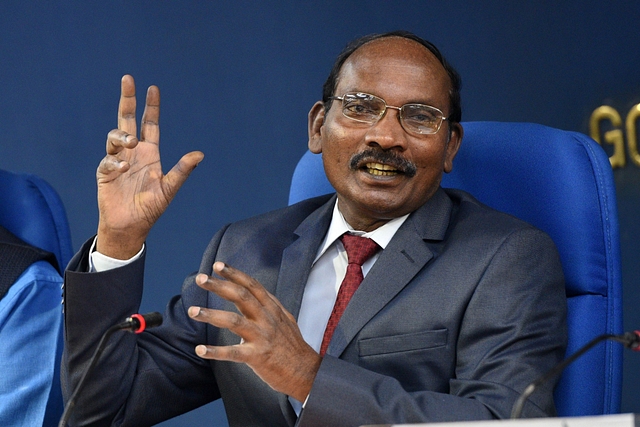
pixel 329 87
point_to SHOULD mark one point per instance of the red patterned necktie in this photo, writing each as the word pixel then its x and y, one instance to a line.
pixel 359 249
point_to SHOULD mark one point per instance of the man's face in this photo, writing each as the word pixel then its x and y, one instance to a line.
pixel 400 71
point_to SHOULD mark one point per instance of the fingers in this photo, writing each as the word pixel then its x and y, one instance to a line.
pixel 253 335
pixel 223 319
pixel 127 106
pixel 255 304
pixel 242 290
pixel 111 164
pixel 125 135
pixel 252 286
pixel 271 342
pixel 150 128
pixel 258 291
pixel 118 139
pixel 233 353
pixel 234 322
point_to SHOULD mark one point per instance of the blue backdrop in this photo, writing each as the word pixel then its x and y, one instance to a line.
pixel 237 80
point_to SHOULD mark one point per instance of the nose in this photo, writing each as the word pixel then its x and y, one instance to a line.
pixel 387 133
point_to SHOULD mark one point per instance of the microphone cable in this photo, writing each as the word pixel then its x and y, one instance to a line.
pixel 136 323
pixel 629 340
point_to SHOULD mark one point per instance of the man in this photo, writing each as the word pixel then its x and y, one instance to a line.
pixel 461 307
pixel 30 334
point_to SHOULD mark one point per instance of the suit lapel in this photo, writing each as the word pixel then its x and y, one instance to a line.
pixel 403 258
pixel 294 272
pixel 397 265
pixel 298 257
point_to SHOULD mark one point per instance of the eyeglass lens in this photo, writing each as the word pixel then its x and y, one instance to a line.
pixel 415 118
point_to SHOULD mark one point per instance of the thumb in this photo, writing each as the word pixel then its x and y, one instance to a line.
pixel 181 171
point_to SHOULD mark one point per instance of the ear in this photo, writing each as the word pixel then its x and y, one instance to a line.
pixel 316 120
pixel 453 146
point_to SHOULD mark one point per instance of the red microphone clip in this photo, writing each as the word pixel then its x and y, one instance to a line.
pixel 142 324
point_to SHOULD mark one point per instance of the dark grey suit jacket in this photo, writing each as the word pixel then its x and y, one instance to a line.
pixel 462 310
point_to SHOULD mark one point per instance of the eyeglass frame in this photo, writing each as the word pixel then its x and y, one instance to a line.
pixel 387 106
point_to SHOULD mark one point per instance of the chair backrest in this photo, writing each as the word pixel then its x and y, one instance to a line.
pixel 32 210
pixel 562 183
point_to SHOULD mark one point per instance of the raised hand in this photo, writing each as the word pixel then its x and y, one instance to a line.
pixel 272 344
pixel 132 190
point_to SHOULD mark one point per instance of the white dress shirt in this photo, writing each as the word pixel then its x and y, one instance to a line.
pixel 328 270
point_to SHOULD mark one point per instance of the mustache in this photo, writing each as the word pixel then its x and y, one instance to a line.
pixel 386 157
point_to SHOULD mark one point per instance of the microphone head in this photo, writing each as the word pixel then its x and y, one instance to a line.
pixel 632 340
pixel 153 319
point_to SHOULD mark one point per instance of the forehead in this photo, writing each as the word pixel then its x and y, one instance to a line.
pixel 396 69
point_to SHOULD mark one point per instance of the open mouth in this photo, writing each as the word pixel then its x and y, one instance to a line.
pixel 380 169
pixel 382 163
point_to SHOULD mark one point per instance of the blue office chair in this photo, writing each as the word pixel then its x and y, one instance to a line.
pixel 562 183
pixel 32 210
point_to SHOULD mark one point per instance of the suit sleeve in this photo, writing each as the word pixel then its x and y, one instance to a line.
pixel 135 372
pixel 513 330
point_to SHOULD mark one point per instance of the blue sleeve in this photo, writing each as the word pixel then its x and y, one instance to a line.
pixel 30 347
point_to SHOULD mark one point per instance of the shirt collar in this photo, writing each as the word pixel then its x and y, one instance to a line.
pixel 381 235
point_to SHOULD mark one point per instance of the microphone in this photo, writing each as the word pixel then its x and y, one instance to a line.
pixel 136 323
pixel 630 340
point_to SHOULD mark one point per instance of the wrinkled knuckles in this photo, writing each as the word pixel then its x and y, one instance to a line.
pixel 244 295
pixel 234 353
pixel 235 321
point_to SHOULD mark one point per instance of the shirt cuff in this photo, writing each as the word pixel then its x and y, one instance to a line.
pixel 99 262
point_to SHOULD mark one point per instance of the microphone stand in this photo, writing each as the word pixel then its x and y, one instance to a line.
pixel 137 323
pixel 629 339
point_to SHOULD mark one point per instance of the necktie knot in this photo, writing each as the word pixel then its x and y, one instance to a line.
pixel 359 249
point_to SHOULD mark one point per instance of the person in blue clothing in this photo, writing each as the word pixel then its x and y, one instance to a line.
pixel 30 334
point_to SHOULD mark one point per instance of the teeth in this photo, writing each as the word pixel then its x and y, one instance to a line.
pixel 380 166
pixel 381 169
pixel 381 173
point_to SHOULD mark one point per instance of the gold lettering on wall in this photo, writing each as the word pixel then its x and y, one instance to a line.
pixel 615 136
pixel 632 141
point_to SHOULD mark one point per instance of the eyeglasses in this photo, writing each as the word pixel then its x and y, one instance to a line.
pixel 416 119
